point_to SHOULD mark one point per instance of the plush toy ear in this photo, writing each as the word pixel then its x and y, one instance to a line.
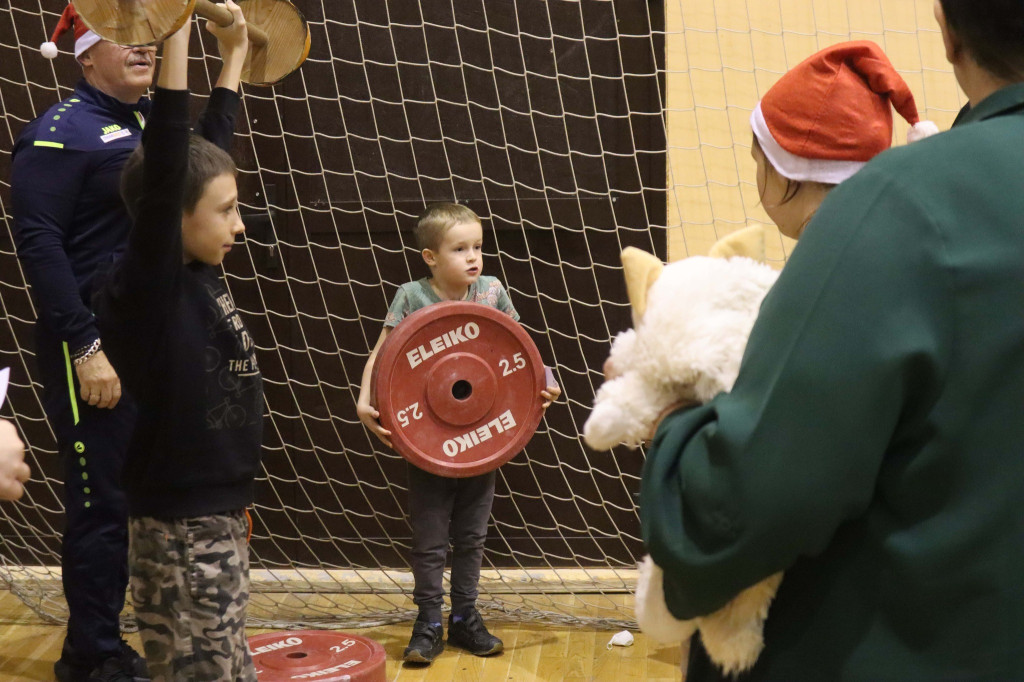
pixel 748 242
pixel 641 269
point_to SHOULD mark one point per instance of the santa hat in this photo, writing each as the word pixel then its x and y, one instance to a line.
pixel 829 115
pixel 84 37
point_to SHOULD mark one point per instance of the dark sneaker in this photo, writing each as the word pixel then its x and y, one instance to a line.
pixel 470 633
pixel 134 664
pixel 65 671
pixel 127 666
pixel 426 643
pixel 112 670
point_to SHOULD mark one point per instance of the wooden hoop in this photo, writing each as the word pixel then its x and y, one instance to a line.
pixel 279 39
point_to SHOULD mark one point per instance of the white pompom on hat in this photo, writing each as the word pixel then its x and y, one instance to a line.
pixel 830 114
pixel 69 20
pixel 921 130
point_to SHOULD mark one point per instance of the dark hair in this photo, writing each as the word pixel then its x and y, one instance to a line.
pixel 435 221
pixel 992 31
pixel 792 186
pixel 205 162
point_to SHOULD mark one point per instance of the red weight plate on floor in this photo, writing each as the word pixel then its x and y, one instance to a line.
pixel 458 385
pixel 319 655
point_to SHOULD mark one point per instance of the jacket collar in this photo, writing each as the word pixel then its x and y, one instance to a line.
pixel 92 95
pixel 1006 100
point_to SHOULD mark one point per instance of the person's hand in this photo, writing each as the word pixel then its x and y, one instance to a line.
pixel 370 418
pixel 101 386
pixel 609 369
pixel 13 470
pixel 232 40
pixel 678 405
pixel 550 395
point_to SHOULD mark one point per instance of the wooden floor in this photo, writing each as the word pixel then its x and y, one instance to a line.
pixel 533 653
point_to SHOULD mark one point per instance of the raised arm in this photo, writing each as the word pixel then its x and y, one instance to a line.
pixel 217 122
pixel 233 45
pixel 154 246
pixel 174 61
pixel 131 308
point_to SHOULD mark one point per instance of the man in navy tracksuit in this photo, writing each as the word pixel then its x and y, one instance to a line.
pixel 68 220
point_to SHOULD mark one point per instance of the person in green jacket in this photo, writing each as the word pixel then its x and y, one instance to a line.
pixel 871 446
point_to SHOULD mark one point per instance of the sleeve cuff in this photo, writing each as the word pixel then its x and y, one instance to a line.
pixel 667 421
pixel 82 339
pixel 225 101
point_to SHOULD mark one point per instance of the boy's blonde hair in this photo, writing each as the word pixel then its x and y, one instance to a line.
pixel 437 219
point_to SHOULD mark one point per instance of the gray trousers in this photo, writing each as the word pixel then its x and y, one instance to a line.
pixel 442 508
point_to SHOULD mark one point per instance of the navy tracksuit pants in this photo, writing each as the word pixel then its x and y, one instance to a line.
pixel 94 552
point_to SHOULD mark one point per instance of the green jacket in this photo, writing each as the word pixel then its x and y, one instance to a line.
pixel 873 444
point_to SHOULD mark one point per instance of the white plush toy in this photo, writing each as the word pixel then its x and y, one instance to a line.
pixel 691 323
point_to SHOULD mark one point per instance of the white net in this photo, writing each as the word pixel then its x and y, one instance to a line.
pixel 574 129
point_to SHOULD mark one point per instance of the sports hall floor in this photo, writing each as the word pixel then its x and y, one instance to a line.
pixel 533 653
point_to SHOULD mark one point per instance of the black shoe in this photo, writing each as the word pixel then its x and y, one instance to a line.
pixel 71 667
pixel 426 643
pixel 134 664
pixel 126 666
pixel 112 670
pixel 65 671
pixel 471 634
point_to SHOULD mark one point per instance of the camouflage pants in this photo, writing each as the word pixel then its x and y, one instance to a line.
pixel 190 587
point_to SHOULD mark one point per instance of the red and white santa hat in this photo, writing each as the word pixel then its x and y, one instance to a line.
pixel 84 36
pixel 829 115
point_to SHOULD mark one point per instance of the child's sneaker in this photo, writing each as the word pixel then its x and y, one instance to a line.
pixel 426 643
pixel 470 633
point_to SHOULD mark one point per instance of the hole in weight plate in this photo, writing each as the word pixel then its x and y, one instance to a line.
pixel 462 389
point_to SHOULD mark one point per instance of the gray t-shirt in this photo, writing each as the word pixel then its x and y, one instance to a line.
pixel 412 296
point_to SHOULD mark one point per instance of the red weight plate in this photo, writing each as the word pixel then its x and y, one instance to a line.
pixel 458 385
pixel 317 655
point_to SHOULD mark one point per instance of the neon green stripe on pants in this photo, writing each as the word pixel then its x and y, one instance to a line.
pixel 71 383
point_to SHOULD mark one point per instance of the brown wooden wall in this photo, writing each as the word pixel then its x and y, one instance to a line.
pixel 544 116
